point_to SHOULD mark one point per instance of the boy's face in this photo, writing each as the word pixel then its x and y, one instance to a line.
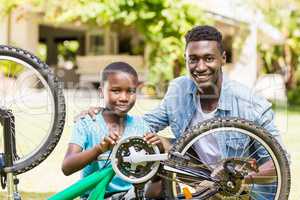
pixel 119 92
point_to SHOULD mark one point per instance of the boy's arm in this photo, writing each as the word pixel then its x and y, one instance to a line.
pixel 76 159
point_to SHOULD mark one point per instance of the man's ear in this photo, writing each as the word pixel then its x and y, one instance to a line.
pixel 224 58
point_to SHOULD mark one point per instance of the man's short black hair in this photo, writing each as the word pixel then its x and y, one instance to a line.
pixel 200 33
pixel 116 67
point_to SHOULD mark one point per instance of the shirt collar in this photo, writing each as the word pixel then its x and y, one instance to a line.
pixel 225 100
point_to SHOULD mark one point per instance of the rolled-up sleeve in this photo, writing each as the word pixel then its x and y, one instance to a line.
pixel 158 119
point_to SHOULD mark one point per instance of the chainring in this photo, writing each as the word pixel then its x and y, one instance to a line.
pixel 134 173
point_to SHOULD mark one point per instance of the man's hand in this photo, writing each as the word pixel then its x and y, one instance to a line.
pixel 92 112
pixel 108 142
pixel 154 139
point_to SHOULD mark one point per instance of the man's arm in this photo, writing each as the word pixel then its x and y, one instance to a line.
pixel 267 121
pixel 267 171
pixel 158 119
pixel 266 174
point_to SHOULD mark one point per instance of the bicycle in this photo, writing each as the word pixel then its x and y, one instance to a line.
pixel 187 175
pixel 32 114
pixel 244 148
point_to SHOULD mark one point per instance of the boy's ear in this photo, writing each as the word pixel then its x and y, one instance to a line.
pixel 140 85
pixel 100 89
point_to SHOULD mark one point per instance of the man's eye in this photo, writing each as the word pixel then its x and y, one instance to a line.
pixel 209 59
pixel 193 60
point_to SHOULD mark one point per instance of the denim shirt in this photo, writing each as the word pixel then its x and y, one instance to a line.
pixel 179 106
pixel 236 100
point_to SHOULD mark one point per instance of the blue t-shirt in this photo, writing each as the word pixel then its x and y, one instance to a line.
pixel 88 133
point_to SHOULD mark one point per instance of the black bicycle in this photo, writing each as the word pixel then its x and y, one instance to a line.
pixel 223 158
pixel 32 114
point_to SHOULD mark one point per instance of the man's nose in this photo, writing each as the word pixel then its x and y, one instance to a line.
pixel 201 66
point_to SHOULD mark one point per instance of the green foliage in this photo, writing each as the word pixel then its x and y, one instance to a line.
pixel 68 49
pixel 162 23
pixel 285 15
pixel 7 5
pixel 42 51
pixel 10 68
pixel 283 59
pixel 294 96
pixel 294 93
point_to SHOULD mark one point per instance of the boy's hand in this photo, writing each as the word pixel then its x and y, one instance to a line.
pixel 109 141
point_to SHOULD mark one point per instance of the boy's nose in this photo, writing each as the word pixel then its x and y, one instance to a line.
pixel 124 96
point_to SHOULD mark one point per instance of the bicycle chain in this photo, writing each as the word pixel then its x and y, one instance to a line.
pixel 180 160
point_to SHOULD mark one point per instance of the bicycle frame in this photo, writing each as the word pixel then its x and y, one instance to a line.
pixel 201 173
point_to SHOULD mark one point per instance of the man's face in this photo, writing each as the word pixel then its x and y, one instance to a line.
pixel 204 61
pixel 119 92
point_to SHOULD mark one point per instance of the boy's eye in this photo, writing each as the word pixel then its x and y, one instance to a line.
pixel 132 91
pixel 115 91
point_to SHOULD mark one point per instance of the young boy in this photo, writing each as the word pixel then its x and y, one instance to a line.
pixel 91 138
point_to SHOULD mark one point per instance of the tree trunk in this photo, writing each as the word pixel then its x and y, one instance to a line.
pixel 176 69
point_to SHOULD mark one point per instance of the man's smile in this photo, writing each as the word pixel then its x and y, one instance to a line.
pixel 199 77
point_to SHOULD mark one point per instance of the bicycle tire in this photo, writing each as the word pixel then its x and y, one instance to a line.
pixel 56 89
pixel 230 122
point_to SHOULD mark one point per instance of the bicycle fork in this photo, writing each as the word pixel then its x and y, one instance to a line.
pixel 8 178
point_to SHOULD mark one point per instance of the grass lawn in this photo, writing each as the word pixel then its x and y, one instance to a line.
pixel 47 178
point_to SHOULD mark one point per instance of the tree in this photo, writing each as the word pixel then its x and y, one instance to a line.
pixel 162 23
pixel 284 59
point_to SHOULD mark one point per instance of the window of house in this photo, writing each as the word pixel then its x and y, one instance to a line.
pixel 95 43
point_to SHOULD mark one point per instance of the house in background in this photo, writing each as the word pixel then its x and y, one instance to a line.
pixel 99 46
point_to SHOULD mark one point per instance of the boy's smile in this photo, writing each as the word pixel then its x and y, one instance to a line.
pixel 119 92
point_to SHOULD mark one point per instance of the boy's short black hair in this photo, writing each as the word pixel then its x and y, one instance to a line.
pixel 116 67
pixel 200 33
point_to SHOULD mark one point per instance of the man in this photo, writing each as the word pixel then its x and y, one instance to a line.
pixel 207 93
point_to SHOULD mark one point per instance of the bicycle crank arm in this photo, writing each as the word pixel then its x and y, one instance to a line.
pixel 138 158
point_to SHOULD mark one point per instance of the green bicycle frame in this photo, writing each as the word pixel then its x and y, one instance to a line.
pixel 97 182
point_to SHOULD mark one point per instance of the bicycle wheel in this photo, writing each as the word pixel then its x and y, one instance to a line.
pixel 33 94
pixel 239 159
